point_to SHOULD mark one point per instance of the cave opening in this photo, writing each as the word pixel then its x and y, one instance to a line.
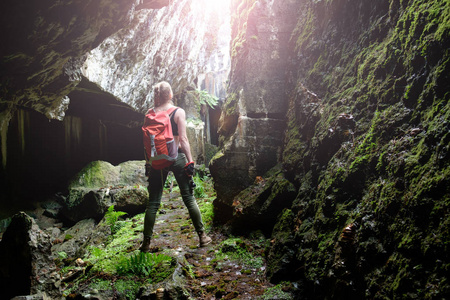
pixel 106 108
pixel 43 155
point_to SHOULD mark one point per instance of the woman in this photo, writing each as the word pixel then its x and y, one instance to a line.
pixel 182 169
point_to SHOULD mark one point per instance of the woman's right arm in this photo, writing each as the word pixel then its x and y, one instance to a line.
pixel 180 119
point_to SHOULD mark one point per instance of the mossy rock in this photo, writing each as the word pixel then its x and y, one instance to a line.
pixel 259 205
pixel 85 203
pixel 281 255
pixel 102 174
pixel 100 185
pixel 96 174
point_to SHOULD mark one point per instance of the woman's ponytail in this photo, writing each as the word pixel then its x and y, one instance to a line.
pixel 163 92
pixel 156 92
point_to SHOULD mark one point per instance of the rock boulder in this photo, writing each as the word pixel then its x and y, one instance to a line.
pixel 26 261
pixel 100 185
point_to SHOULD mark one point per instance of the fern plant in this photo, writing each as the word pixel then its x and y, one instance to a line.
pixel 206 98
pixel 199 190
pixel 141 264
pixel 112 217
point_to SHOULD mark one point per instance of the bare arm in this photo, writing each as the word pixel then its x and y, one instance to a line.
pixel 180 119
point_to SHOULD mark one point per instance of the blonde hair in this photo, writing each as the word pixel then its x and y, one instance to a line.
pixel 163 91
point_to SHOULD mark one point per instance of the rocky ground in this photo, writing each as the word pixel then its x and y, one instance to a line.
pixel 229 268
pixel 214 277
pixel 98 257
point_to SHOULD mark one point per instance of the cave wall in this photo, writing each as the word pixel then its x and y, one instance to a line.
pixel 372 209
pixel 252 122
pixel 185 44
pixel 365 144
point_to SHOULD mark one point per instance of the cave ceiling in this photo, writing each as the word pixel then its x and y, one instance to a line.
pixel 44 44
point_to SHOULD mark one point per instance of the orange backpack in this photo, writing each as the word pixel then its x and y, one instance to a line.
pixel 160 147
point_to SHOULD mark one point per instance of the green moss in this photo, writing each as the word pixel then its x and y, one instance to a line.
pixel 230 106
pixel 211 288
pixel 210 152
pixel 104 258
pixel 101 285
pixel 125 288
pixel 68 237
pixel 429 21
pixel 277 292
pixel 128 288
pixel 238 45
pixel 218 155
pixel 369 143
pixel 359 162
pixel 235 249
pixel 95 174
pixel 391 74
pixel 207 210
pixel 319 65
pixel 304 30
pixel 242 9
pixel 281 186
pixel 284 223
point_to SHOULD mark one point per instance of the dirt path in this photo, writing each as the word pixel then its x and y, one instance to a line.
pixel 225 269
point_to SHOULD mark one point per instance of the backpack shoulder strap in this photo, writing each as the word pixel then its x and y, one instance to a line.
pixel 172 114
pixel 171 111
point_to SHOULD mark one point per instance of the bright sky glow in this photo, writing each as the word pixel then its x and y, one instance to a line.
pixel 219 8
pixel 216 5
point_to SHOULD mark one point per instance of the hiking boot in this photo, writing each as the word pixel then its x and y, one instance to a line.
pixel 145 247
pixel 204 239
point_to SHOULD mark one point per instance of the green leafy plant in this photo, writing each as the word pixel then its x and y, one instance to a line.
pixel 97 252
pixel 277 292
pixel 105 255
pixel 188 269
pixel 141 187
pixel 205 194
pixel 207 209
pixel 62 255
pixel 142 264
pixel 204 185
pixel 112 217
pixel 199 190
pixel 206 98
